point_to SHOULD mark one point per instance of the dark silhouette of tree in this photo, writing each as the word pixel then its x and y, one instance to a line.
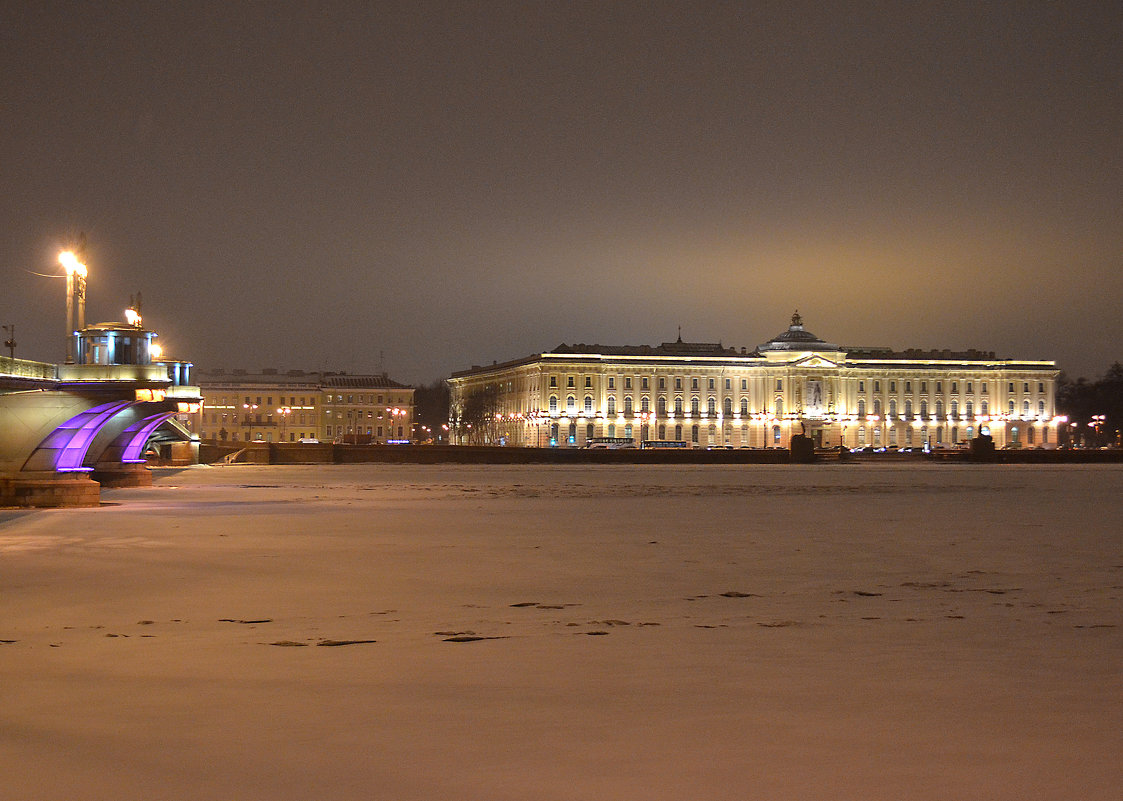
pixel 475 417
pixel 431 405
pixel 1083 402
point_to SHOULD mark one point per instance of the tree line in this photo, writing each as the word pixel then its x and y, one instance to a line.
pixel 1094 408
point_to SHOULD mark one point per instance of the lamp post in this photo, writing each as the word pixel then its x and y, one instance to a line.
pixel 284 411
pixel 250 408
pixel 75 296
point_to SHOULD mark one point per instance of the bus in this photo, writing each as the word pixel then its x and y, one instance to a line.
pixel 664 443
pixel 612 443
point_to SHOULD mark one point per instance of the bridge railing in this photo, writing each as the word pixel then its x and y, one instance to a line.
pixel 113 372
pixel 24 368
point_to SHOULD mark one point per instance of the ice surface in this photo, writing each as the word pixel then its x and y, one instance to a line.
pixel 536 632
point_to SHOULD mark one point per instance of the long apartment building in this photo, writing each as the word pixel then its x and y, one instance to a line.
pixel 273 406
pixel 708 395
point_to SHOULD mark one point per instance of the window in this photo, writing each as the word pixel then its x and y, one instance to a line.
pixel 1041 408
pixel 711 407
pixel 711 384
pixel 569 382
pixel 778 407
pixel 678 383
pixel 970 386
pixel 776 435
pixel 892 407
pixel 1011 386
pixel 694 434
pixel 628 431
pixel 1025 408
pixel 645 382
pixel 877 386
pixel 589 432
pixel 908 386
pixel 611 405
pixel 662 432
pixel 627 382
pixel 970 407
pixel 1010 408
pixel 983 389
pixel 645 404
pixel 628 406
pixel 744 384
pixel 779 385
pixel 955 386
pixel 611 430
pixel 678 432
pixel 939 386
pixel 612 382
pixel 571 404
pixel 694 383
pixel 1040 386
pixel 588 382
pixel 661 406
pixel 984 408
pixel 861 386
pixel 744 407
pixel 588 404
pixel 940 409
pixel 1025 387
pixel 727 407
pixel 727 383
pixel 553 385
pixel 862 408
pixel 662 382
pixel 678 406
pixel 923 386
pixel 694 406
pixel 877 406
pixel 892 386
pixel 924 408
pixel 955 410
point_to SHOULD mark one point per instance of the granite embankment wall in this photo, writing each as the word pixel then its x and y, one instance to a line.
pixel 328 453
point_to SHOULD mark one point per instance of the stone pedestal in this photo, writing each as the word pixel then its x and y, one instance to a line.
pixel 123 475
pixel 48 490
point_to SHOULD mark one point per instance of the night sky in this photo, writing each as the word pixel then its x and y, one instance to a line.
pixel 419 187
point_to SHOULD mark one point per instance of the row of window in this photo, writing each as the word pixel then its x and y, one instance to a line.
pixel 970 386
pixel 293 436
pixel 644 383
pixel 778 407
pixel 969 408
pixel 307 400
pixel 711 384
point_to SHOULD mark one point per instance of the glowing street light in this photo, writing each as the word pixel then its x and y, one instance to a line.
pixel 250 409
pixel 284 411
pixel 75 298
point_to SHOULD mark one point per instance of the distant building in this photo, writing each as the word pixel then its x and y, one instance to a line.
pixel 272 406
pixel 709 395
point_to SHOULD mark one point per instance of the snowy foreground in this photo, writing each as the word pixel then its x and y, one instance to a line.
pixel 606 632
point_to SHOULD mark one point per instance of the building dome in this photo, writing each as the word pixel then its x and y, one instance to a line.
pixel 796 338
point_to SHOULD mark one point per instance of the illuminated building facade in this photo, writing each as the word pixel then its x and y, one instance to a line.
pixel 272 406
pixel 713 396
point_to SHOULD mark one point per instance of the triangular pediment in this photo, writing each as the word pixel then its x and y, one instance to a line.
pixel 814 361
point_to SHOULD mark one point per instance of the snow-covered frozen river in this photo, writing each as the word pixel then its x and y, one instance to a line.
pixel 590 632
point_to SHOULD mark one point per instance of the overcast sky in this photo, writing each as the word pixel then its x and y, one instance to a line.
pixel 419 187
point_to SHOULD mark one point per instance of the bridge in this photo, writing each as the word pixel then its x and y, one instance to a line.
pixel 66 430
